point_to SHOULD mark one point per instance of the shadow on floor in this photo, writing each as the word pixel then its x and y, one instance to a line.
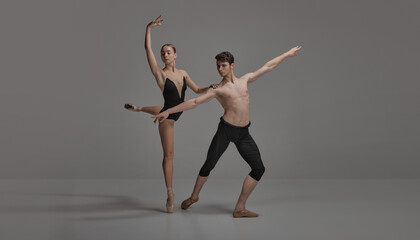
pixel 209 209
pixel 102 204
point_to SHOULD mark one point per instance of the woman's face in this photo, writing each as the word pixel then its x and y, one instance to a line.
pixel 168 55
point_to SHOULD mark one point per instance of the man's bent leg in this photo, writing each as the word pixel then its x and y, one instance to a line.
pixel 247 188
pixel 251 154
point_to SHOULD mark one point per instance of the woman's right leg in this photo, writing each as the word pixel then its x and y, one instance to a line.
pixel 154 110
pixel 166 131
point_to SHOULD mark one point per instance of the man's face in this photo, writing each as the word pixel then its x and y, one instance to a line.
pixel 224 68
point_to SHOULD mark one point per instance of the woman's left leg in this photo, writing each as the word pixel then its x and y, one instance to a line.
pixel 166 131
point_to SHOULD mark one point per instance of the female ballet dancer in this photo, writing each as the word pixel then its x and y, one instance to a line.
pixel 172 82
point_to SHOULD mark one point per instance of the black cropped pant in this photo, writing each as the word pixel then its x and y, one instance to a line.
pixel 246 146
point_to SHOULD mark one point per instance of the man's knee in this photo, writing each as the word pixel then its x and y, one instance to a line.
pixel 204 172
pixel 208 165
pixel 257 173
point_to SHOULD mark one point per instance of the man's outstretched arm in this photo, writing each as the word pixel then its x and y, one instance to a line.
pixel 187 105
pixel 270 65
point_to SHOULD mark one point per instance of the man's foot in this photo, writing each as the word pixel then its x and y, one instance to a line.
pixel 170 202
pixel 244 213
pixel 188 202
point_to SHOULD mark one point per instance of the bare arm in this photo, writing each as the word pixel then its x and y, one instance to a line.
pixel 270 65
pixel 154 67
pixel 191 84
pixel 187 105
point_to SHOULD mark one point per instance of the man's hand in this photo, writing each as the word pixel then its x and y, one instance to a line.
pixel 293 51
pixel 161 116
pixel 157 22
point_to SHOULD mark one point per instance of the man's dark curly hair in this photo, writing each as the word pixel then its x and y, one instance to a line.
pixel 225 57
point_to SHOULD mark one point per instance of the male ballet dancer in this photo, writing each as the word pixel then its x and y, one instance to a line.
pixel 232 94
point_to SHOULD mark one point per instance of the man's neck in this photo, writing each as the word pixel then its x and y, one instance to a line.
pixel 229 78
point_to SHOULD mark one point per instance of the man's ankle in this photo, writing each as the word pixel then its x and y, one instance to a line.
pixel 194 198
pixel 239 208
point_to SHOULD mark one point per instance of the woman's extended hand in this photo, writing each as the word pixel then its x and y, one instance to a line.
pixel 157 22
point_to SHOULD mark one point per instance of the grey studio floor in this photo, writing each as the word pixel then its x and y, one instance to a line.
pixel 134 209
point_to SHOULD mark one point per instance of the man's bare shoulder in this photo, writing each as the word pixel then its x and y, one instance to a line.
pixel 219 90
pixel 212 91
pixel 245 77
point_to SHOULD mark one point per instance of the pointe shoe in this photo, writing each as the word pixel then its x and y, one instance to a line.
pixel 244 213
pixel 132 107
pixel 169 203
pixel 128 106
pixel 169 207
pixel 187 203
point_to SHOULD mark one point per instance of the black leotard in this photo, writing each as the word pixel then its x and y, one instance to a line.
pixel 172 98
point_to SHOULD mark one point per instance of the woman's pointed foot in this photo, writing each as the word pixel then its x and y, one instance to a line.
pixel 170 202
pixel 132 107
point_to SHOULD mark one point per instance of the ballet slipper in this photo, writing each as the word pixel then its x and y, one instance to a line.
pixel 244 213
pixel 187 203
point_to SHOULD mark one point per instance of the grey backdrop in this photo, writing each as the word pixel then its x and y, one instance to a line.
pixel 346 107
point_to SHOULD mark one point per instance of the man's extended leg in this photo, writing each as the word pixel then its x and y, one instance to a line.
pixel 217 148
pixel 194 196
